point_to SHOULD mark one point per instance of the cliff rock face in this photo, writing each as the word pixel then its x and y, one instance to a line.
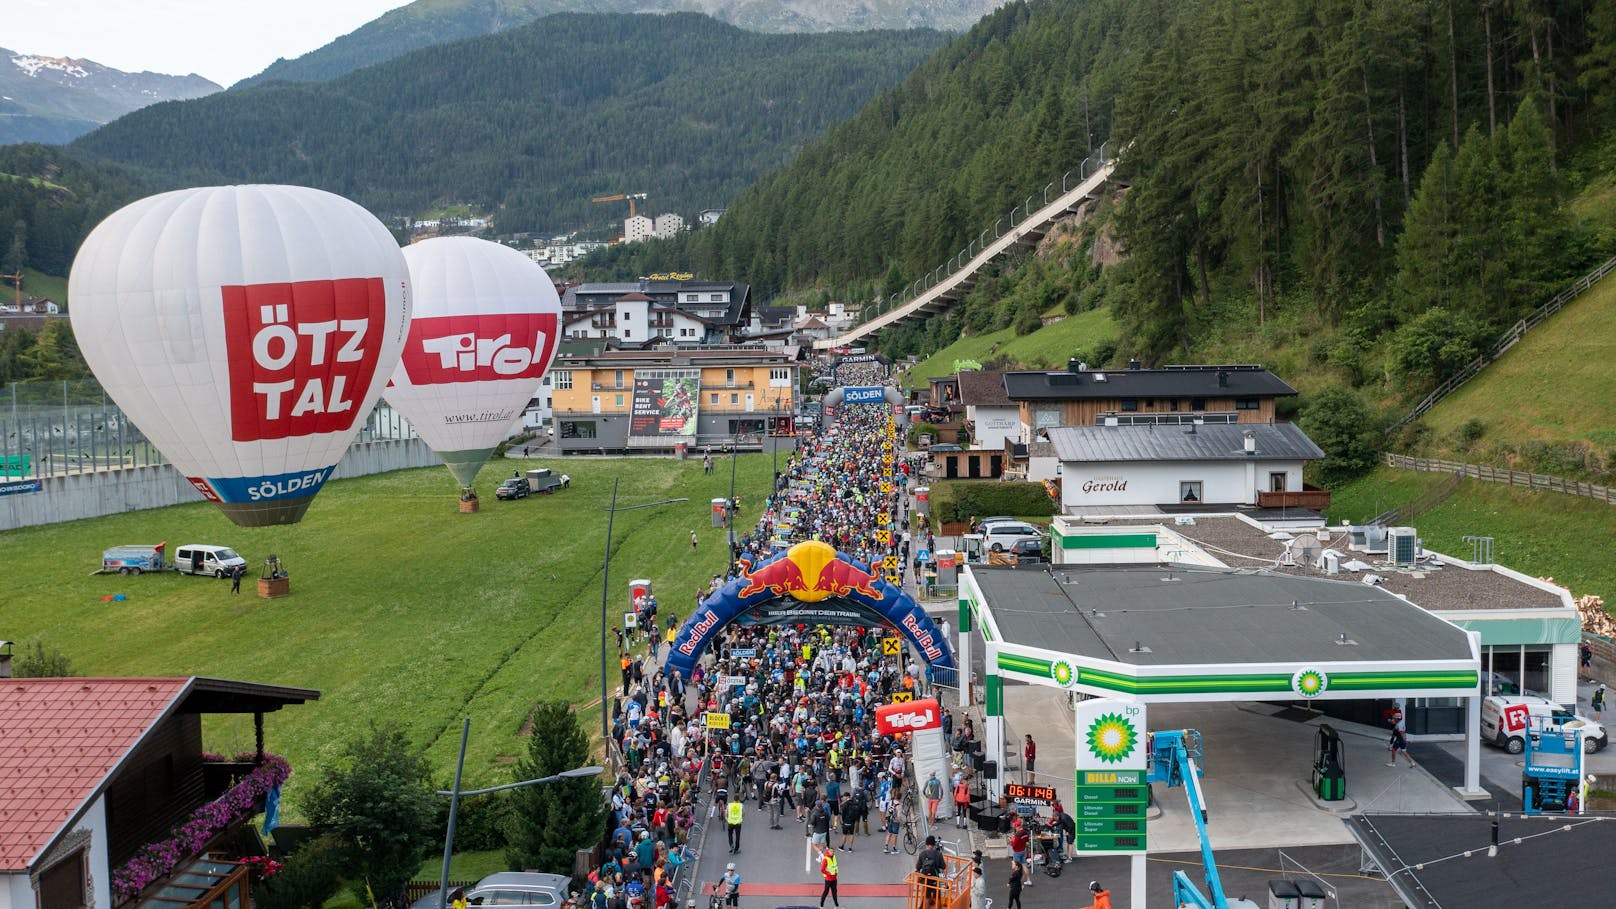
pixel 58 99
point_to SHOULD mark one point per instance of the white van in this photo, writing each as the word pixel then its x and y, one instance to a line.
pixel 1002 535
pixel 197 558
pixel 1503 722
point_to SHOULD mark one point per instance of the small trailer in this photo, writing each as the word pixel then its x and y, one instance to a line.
pixel 135 559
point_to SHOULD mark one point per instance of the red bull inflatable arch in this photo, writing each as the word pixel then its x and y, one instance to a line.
pixel 826 587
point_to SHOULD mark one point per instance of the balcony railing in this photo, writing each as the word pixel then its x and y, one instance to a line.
pixel 1310 497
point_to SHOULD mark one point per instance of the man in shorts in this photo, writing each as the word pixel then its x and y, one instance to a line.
pixel 890 824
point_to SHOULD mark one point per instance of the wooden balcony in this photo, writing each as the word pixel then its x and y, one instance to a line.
pixel 1310 497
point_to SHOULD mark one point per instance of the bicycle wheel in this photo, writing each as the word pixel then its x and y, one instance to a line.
pixel 910 844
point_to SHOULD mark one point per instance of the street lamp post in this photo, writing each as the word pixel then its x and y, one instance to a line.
pixel 605 581
pixel 734 455
pixel 454 803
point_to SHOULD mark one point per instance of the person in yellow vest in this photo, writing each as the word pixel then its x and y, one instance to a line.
pixel 828 868
pixel 732 820
pixel 457 900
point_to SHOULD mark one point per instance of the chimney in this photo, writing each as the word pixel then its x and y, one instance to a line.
pixel 1075 365
pixel 1251 442
pixel 1223 378
pixel 5 659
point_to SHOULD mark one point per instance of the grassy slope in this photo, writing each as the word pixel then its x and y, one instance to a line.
pixel 1556 385
pixel 38 284
pixel 1543 534
pixel 1047 347
pixel 402 609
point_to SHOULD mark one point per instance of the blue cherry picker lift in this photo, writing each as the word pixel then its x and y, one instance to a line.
pixel 1551 780
pixel 1175 759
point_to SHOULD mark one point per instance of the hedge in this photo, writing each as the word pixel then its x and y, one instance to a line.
pixel 961 500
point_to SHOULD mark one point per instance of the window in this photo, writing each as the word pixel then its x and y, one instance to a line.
pixel 1276 481
pixel 1189 491
pixel 619 401
pixel 713 398
pixel 734 398
pixel 577 429
pixel 1245 404
pixel 715 298
pixel 563 380
pixel 692 298
pixel 617 378
pixel 729 377
pixel 1130 406
pixel 1173 405
pixel 1197 403
pixel 628 333
pixel 62 885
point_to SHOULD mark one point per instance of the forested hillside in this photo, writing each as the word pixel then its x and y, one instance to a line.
pixel 530 123
pixel 49 201
pixel 1381 181
pixel 428 22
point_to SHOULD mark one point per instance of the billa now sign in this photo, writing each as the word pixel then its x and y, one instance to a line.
pixel 892 719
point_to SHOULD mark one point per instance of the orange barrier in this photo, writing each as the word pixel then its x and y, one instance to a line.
pixel 950 890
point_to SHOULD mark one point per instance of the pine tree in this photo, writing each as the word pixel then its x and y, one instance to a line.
pixel 552 821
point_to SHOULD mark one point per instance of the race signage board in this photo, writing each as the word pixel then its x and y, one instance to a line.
pixel 1031 795
pixel 891 719
pixel 902 697
pixel 869 394
pixel 715 720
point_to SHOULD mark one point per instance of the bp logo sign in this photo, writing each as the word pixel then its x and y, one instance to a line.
pixel 1061 672
pixel 1110 735
pixel 1309 683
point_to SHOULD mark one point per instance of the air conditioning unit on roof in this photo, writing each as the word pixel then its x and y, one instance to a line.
pixel 1403 546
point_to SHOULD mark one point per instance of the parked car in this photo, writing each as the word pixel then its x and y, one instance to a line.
pixel 1028 550
pixel 508 888
pixel 982 525
pixel 513 488
pixel 199 558
pixel 1002 536
pixel 1503 722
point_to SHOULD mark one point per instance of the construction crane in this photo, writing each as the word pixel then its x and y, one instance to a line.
pixel 618 197
pixel 16 281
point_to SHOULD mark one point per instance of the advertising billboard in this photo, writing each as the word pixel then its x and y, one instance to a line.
pixel 665 402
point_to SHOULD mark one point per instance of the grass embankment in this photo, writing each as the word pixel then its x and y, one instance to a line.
pixel 1543 534
pixel 402 610
pixel 1047 348
pixel 1556 388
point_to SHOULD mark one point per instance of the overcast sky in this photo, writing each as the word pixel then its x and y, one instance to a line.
pixel 224 40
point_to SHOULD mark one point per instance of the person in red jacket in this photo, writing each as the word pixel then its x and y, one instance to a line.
pixel 1029 754
pixel 828 869
pixel 1100 895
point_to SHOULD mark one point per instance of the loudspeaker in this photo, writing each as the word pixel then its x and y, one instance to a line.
pixel 990 770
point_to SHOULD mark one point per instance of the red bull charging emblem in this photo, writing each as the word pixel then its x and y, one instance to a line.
pixel 809 572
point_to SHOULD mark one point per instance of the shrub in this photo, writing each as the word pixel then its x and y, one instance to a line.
pixel 959 501
pixel 1341 425
pixel 35 662
pixel 1468 434
pixel 307 878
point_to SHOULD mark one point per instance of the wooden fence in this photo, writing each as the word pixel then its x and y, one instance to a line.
pixel 1505 341
pixel 1512 477
pixel 1433 497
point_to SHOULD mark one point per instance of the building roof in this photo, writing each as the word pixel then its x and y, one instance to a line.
pixel 61 740
pixel 1169 382
pixel 1435 585
pixel 1434 860
pixel 1208 616
pixel 1183 442
pixel 635 297
pixel 983 388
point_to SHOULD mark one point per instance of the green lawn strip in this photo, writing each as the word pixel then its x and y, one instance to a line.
pixel 402 609
pixel 1047 348
pixel 1542 534
pixel 1555 385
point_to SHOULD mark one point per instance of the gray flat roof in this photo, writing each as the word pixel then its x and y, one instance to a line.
pixel 1168 382
pixel 1183 442
pixel 1186 615
pixel 1435 586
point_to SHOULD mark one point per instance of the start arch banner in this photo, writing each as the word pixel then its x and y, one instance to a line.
pixel 809 572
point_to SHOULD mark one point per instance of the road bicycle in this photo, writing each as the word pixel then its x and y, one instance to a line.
pixel 911 844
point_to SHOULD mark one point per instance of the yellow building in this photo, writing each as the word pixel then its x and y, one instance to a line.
pixel 666 400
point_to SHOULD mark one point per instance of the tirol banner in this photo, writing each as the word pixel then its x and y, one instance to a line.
pixel 665 402
pixel 892 719
pixel 811 572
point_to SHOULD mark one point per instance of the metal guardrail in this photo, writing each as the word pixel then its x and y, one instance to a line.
pixel 1508 339
pixel 1520 478
pixel 962 260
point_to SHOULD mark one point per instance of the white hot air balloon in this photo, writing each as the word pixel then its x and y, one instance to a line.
pixel 483 334
pixel 247 331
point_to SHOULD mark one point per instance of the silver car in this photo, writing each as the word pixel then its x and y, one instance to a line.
pixel 509 888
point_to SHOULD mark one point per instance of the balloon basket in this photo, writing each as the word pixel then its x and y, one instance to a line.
pixel 271 588
pixel 470 506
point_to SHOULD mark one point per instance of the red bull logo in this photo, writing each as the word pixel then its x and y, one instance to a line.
pixel 923 638
pixel 809 572
pixel 698 633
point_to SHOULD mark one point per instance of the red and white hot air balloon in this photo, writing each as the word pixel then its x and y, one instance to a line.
pixel 486 323
pixel 246 330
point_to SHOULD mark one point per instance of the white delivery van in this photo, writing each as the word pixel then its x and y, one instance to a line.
pixel 198 558
pixel 1503 722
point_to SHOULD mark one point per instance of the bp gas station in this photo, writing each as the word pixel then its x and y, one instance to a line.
pixel 1176 641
